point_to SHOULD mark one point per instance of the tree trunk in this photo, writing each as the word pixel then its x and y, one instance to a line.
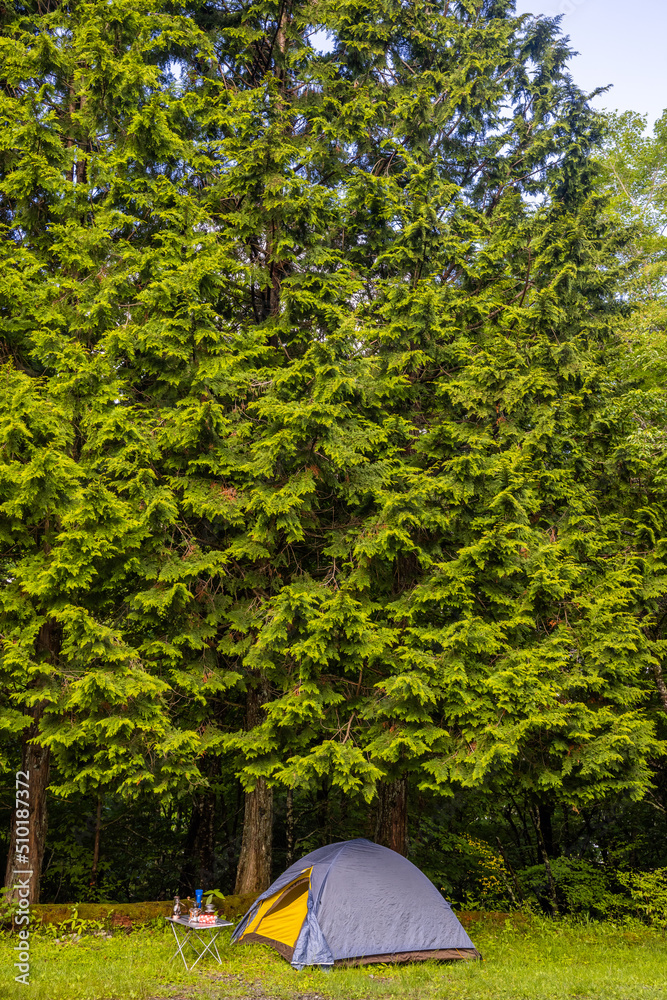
pixel 35 760
pixel 535 816
pixel 254 869
pixel 529 841
pixel 660 684
pixel 206 844
pixel 289 827
pixel 199 868
pixel 96 843
pixel 546 827
pixel 323 812
pixel 35 764
pixel 186 882
pixel 515 897
pixel 391 829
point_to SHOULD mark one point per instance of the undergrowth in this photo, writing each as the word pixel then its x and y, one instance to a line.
pixel 524 959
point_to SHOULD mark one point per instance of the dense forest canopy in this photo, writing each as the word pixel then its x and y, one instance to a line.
pixel 332 455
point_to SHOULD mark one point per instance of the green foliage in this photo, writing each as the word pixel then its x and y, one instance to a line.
pixel 488 880
pixel 9 906
pixel 211 894
pixel 600 892
pixel 583 888
pixel 466 869
pixel 82 514
pixel 313 386
pixel 634 172
pixel 648 891
pixel 69 871
pixel 75 925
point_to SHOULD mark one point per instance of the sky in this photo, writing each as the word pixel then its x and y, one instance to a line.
pixel 620 43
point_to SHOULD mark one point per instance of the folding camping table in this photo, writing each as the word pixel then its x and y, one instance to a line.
pixel 192 936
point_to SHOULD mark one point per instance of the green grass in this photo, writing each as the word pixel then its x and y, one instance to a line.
pixel 536 960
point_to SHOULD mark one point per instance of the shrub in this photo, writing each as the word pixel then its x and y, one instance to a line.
pixel 648 894
pixel 582 887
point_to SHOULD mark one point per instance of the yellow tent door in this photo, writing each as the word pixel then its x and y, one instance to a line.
pixel 280 918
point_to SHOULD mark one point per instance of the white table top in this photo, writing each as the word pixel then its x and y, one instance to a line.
pixel 186 922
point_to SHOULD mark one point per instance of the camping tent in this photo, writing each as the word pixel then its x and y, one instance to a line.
pixel 351 904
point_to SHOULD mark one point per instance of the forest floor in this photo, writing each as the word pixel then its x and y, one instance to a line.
pixel 524 959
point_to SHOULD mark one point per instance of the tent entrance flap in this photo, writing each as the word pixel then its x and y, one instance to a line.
pixel 285 918
pixel 281 917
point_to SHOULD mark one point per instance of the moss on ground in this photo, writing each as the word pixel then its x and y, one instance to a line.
pixel 127 914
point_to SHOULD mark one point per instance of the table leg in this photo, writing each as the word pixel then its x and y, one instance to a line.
pixel 192 933
pixel 214 945
pixel 180 945
pixel 207 946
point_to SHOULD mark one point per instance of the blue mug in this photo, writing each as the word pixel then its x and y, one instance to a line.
pixel 198 897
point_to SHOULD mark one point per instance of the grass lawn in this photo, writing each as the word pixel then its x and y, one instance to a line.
pixel 534 959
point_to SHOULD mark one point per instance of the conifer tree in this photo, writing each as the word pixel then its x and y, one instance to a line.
pixel 476 603
pixel 92 154
pixel 634 177
pixel 313 451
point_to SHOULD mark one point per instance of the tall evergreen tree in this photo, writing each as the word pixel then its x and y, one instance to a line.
pixel 94 231
pixel 313 456
pixel 477 603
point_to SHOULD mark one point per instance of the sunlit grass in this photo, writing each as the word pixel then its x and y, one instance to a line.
pixel 123 966
pixel 536 960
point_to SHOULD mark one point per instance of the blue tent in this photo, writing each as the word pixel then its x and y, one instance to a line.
pixel 353 903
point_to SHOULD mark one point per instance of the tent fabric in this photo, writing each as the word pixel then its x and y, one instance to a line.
pixel 364 903
pixel 284 920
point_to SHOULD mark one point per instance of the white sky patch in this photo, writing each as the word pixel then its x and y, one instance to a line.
pixel 619 43
pixel 322 41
